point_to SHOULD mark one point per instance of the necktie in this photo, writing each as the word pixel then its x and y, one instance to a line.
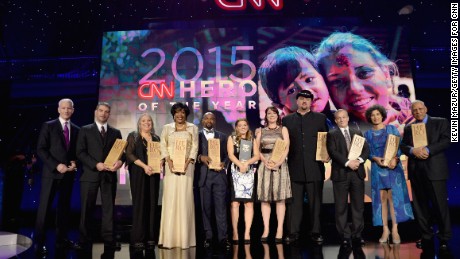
pixel 66 135
pixel 102 131
pixel 347 139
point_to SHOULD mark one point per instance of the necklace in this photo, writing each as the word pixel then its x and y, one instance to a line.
pixel 180 128
pixel 268 127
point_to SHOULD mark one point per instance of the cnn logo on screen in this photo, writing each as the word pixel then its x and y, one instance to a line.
pixel 242 4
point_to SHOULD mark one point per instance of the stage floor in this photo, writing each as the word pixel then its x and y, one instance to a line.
pixel 301 249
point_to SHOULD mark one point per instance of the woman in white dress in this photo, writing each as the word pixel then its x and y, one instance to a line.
pixel 177 227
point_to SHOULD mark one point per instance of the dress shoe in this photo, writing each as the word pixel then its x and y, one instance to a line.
pixel 317 238
pixel 264 239
pixel 357 242
pixel 247 241
pixel 225 244
pixel 278 240
pixel 137 246
pixel 65 244
pixel 116 246
pixel 427 244
pixel 291 238
pixel 418 244
pixel 385 235
pixel 207 243
pixel 40 250
pixel 395 238
pixel 443 245
pixel 346 242
pixel 150 245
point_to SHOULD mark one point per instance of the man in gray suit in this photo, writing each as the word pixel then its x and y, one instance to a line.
pixel 213 183
pixel 93 145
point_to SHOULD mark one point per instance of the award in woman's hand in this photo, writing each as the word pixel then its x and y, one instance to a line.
pixel 391 149
pixel 154 156
pixel 178 156
pixel 278 150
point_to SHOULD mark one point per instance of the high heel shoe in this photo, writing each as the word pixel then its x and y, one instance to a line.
pixel 385 234
pixel 395 237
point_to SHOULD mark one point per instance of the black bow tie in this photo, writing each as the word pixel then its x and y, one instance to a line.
pixel 209 131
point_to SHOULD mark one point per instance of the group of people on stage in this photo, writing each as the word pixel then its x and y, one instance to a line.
pixel 359 81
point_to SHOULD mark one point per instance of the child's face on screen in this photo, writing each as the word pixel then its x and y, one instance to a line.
pixel 308 79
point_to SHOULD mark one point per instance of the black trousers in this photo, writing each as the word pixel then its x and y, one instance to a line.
pixel 424 192
pixel 108 186
pixel 353 186
pixel 214 190
pixel 49 188
pixel 144 192
pixel 294 215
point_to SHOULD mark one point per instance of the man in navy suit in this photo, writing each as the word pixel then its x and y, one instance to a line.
pixel 56 148
pixel 347 177
pixel 428 173
pixel 93 145
pixel 213 183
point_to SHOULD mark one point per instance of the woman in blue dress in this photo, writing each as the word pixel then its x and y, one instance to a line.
pixel 388 184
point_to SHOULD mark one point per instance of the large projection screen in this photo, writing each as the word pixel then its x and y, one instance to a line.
pixel 212 66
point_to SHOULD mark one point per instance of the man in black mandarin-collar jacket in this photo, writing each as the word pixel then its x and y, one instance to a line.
pixel 213 183
pixel 307 174
pixel 428 173
pixel 59 166
pixel 92 149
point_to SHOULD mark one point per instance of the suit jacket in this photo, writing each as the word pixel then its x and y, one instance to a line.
pixel 92 149
pixel 203 150
pixel 52 150
pixel 302 148
pixel 337 149
pixel 435 166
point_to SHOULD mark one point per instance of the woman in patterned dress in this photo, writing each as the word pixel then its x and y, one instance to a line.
pixel 274 184
pixel 242 177
pixel 388 184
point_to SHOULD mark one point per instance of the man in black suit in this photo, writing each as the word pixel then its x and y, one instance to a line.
pixel 307 174
pixel 347 179
pixel 56 148
pixel 428 173
pixel 213 183
pixel 93 145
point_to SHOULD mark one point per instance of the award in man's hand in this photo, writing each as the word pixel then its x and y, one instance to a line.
pixel 178 156
pixel 419 135
pixel 391 149
pixel 321 149
pixel 115 152
pixel 278 150
pixel 154 156
pixel 356 148
pixel 214 153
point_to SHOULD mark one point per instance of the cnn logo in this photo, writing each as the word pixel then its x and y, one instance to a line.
pixel 242 4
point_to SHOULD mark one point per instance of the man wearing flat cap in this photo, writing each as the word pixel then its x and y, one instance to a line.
pixel 307 174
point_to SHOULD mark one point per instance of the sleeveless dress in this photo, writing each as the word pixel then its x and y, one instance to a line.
pixel 385 178
pixel 241 184
pixel 272 185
